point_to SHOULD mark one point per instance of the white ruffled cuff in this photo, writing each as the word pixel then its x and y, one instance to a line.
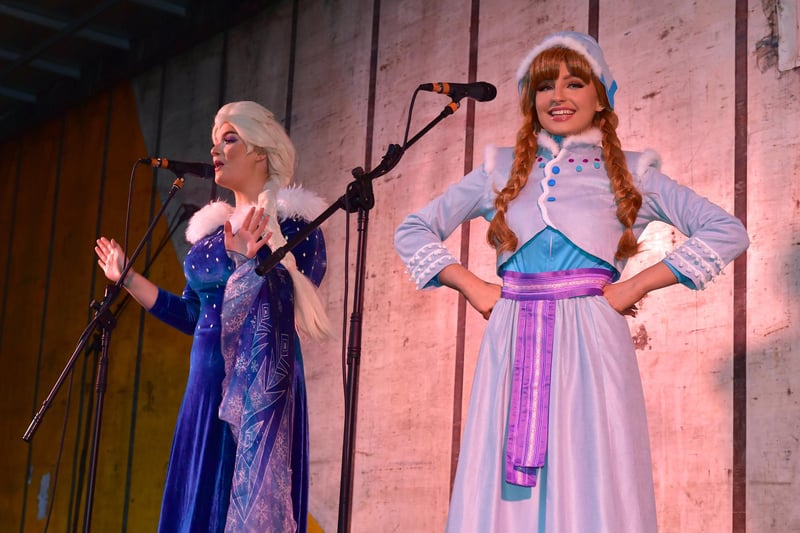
pixel 427 262
pixel 697 261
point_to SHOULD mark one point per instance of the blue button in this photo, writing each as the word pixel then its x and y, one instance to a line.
pixel 551 199
pixel 556 170
pixel 579 168
pixel 551 182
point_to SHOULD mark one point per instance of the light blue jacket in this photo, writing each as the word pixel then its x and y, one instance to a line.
pixel 569 191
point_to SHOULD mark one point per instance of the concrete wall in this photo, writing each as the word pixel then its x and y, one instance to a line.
pixel 698 82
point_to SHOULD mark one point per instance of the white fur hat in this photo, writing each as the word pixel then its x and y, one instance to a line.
pixel 578 42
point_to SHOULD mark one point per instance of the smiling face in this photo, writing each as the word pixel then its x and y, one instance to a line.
pixel 236 168
pixel 566 104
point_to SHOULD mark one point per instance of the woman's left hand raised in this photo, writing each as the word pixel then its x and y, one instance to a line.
pixel 248 240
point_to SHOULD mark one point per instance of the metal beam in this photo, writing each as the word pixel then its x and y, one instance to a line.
pixel 71 29
pixel 164 6
pixel 14 94
pixel 69 71
pixel 54 22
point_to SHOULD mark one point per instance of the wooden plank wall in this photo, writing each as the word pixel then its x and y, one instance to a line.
pixel 70 182
pixel 698 82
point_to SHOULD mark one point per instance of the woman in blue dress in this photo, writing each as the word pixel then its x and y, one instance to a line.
pixel 239 459
pixel 556 436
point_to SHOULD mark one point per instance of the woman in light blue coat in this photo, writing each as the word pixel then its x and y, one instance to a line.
pixel 556 435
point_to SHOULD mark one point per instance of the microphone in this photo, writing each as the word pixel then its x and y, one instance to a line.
pixel 179 168
pixel 479 90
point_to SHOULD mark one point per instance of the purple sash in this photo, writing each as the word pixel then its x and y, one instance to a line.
pixel 526 442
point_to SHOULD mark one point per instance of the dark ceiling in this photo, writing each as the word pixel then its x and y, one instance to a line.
pixel 55 54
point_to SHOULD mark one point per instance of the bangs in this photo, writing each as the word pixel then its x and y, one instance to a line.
pixel 546 65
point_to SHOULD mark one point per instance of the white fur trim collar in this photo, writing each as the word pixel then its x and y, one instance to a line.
pixel 592 137
pixel 293 202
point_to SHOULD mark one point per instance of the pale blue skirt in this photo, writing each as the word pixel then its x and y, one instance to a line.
pixel 597 476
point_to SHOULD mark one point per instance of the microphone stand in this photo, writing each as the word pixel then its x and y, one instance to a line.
pixel 105 320
pixel 358 197
pixel 94 346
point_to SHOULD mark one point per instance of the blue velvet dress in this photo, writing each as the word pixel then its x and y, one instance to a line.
pixel 197 491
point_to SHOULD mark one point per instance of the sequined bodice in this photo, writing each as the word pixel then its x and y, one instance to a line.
pixel 207 268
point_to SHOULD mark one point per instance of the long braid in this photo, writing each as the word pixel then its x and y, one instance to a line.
pixel 499 234
pixel 627 197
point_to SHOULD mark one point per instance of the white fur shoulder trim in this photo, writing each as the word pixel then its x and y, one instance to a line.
pixel 208 219
pixel 297 202
pixel 293 202
pixel 649 158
